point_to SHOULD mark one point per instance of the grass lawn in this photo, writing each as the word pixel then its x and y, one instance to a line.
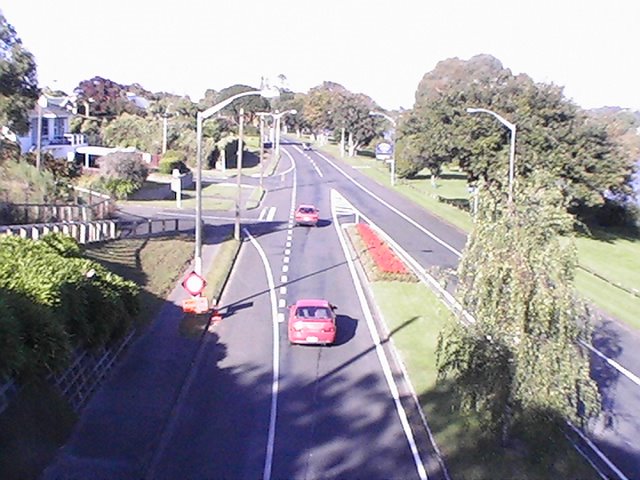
pixel 415 324
pixel 612 254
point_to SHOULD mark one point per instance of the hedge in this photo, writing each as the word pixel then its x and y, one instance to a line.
pixel 53 300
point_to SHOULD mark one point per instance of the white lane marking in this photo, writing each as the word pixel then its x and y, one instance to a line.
pixel 393 209
pixel 288 244
pixel 271 214
pixel 275 381
pixel 602 456
pixel 282 303
pixel 285 268
pixel 287 251
pixel 381 355
pixel 285 259
pixel 630 375
pixel 317 169
pixel 263 213
pixel 280 317
pixel 283 290
pixel 283 279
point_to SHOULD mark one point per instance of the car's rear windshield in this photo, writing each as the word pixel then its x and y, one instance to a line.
pixel 307 210
pixel 313 312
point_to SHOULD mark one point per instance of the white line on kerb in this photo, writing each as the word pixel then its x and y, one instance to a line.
pixel 275 382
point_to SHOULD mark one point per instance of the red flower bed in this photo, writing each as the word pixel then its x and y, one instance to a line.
pixel 383 256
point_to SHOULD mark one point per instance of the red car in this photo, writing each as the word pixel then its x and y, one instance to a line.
pixel 307 215
pixel 312 322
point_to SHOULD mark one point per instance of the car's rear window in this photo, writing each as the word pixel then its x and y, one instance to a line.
pixel 307 210
pixel 313 312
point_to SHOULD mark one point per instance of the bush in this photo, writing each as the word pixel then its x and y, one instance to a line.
pixel 115 187
pixel 173 160
pixel 124 166
pixel 60 301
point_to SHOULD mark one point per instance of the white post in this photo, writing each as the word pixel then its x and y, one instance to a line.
pixel 236 227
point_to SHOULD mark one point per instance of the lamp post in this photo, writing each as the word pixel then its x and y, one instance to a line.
pixel 512 147
pixel 393 140
pixel 200 118
pixel 276 117
pixel 236 225
pixel 42 103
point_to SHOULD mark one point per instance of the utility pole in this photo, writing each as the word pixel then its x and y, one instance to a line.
pixel 236 229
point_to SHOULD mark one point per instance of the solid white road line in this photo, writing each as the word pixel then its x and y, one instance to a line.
pixel 275 381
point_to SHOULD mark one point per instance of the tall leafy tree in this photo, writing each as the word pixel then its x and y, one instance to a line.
pixel 553 134
pixel 18 81
pixel 106 98
pixel 520 364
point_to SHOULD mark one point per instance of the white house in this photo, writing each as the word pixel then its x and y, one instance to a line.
pixel 56 114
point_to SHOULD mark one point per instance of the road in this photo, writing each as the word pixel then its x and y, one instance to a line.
pixel 334 414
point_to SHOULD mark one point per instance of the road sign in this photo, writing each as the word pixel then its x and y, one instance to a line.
pixel 384 151
pixel 195 305
pixel 194 284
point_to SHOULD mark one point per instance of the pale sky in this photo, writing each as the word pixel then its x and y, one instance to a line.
pixel 380 48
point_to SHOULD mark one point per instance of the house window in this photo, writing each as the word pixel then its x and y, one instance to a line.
pixel 58 128
pixel 45 128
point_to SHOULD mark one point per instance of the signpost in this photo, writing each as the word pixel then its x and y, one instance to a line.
pixel 194 284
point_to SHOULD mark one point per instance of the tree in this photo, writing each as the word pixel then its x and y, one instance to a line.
pixel 105 98
pixel 520 364
pixel 251 103
pixel 18 83
pixel 128 130
pixel 553 134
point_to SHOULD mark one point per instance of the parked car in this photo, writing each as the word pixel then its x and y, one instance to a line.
pixel 307 215
pixel 312 321
pixel 306 146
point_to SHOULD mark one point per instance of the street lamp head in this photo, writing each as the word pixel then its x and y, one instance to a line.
pixel 293 111
pixel 270 92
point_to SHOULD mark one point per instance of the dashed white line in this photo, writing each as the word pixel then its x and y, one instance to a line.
pixel 283 290
pixel 283 279
pixel 287 251
pixel 285 268
pixel 282 303
pixel 286 259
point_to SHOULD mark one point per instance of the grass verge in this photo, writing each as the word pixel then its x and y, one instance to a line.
pixel 415 324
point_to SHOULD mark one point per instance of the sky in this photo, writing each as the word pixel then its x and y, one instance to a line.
pixel 379 48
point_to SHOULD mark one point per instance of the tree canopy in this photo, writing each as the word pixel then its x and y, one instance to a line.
pixel 18 82
pixel 553 134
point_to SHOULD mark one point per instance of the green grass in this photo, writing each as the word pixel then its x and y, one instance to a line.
pixel 415 324
pixel 137 260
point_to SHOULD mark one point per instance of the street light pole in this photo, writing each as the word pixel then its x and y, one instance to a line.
pixel 236 226
pixel 393 139
pixel 512 146
pixel 200 118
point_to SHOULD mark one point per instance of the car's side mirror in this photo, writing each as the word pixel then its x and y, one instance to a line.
pixel 334 307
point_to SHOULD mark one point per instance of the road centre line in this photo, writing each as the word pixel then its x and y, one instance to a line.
pixel 381 354
pixel 275 380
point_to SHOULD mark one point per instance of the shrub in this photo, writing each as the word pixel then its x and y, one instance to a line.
pixel 46 286
pixel 171 160
pixel 124 166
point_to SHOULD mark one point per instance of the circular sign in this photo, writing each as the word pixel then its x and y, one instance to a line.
pixel 194 284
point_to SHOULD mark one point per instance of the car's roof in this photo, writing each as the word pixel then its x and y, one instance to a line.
pixel 306 206
pixel 312 302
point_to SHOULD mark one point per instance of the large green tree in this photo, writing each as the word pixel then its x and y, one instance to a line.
pixel 520 366
pixel 553 134
pixel 18 82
